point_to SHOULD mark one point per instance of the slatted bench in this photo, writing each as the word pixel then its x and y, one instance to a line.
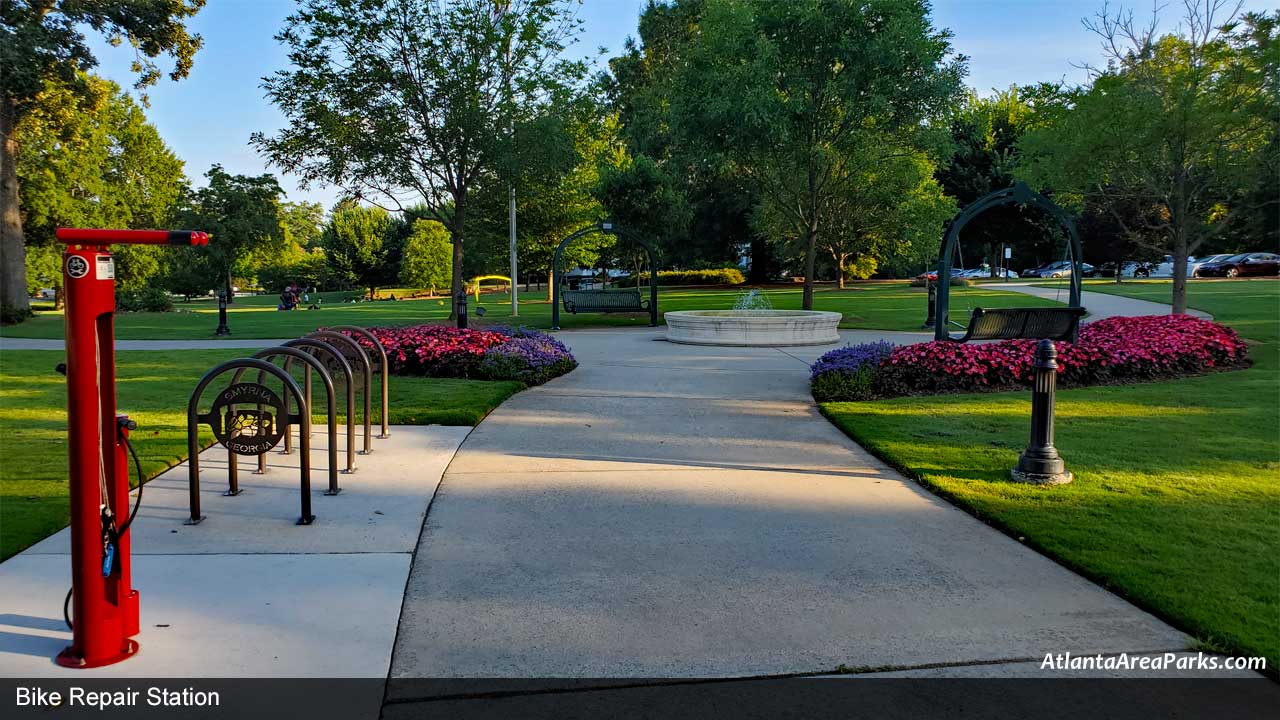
pixel 1048 323
pixel 605 301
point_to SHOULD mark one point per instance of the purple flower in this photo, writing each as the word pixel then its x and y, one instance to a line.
pixel 852 358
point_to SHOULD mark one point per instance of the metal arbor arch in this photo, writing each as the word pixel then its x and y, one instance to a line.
pixel 605 228
pixel 1019 194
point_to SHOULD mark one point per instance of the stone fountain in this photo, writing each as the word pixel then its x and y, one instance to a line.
pixel 753 322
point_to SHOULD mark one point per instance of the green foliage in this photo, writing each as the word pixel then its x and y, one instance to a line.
pixel 88 158
pixel 43 43
pixel 1174 123
pixel 303 223
pixel 242 215
pixel 712 276
pixel 428 257
pixel 360 247
pixel 984 134
pixel 308 269
pixel 641 197
pixel 791 91
pixel 150 299
pixel 416 97
pixel 845 386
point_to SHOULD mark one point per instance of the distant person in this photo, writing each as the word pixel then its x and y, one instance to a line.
pixel 289 298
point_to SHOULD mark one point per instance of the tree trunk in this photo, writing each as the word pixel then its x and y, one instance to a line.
pixel 840 261
pixel 13 253
pixel 373 293
pixel 1179 270
pixel 551 279
pixel 231 295
pixel 456 284
pixel 810 258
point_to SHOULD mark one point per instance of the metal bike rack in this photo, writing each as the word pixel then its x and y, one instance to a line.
pixel 381 368
pixel 340 361
pixel 227 428
pixel 347 341
pixel 309 363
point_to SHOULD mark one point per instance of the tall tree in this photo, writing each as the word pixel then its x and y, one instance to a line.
pixel 362 248
pixel 428 257
pixel 783 88
pixel 1173 121
pixel 242 215
pixel 43 41
pixel 89 158
pixel 411 100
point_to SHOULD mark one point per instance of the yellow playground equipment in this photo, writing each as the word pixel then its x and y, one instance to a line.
pixel 474 284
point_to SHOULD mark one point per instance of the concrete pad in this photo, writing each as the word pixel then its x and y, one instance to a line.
pixel 731 573
pixel 380 508
pixel 220 616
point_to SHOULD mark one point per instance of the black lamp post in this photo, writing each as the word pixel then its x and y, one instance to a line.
pixel 1040 463
pixel 222 315
pixel 460 308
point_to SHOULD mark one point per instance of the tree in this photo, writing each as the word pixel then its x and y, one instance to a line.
pixel 641 197
pixel 1173 121
pixel 89 158
pixel 412 100
pixel 303 223
pixel 984 134
pixel 44 41
pixel 781 89
pixel 242 215
pixel 361 246
pixel 892 211
pixel 428 257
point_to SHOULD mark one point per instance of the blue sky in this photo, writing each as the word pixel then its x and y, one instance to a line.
pixel 208 117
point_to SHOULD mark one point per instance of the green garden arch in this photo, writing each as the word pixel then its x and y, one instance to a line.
pixel 594 301
pixel 1019 194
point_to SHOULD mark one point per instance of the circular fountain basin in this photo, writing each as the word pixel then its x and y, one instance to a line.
pixel 756 328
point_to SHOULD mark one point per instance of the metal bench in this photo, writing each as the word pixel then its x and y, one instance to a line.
pixel 606 301
pixel 1049 323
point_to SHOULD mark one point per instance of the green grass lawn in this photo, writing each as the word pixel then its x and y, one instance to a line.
pixel 879 306
pixel 153 388
pixel 1176 501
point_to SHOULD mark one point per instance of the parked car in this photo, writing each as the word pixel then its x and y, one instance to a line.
pixel 933 274
pixel 980 273
pixel 1058 269
pixel 1194 264
pixel 1243 265
pixel 1128 269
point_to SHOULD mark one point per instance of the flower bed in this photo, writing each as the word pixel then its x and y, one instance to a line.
pixel 497 353
pixel 1120 349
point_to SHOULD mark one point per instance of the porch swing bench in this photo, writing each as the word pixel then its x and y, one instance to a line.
pixel 1053 323
pixel 603 301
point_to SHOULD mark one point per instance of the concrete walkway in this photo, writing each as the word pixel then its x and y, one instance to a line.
pixel 1100 305
pixel 669 510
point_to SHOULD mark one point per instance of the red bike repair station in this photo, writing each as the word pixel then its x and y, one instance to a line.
pixel 103 602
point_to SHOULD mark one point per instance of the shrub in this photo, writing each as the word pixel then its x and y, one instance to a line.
pixel 151 299
pixel 12 314
pixel 1120 349
pixel 848 373
pixel 712 276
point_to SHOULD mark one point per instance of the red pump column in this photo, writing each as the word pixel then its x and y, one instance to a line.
pixel 105 604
